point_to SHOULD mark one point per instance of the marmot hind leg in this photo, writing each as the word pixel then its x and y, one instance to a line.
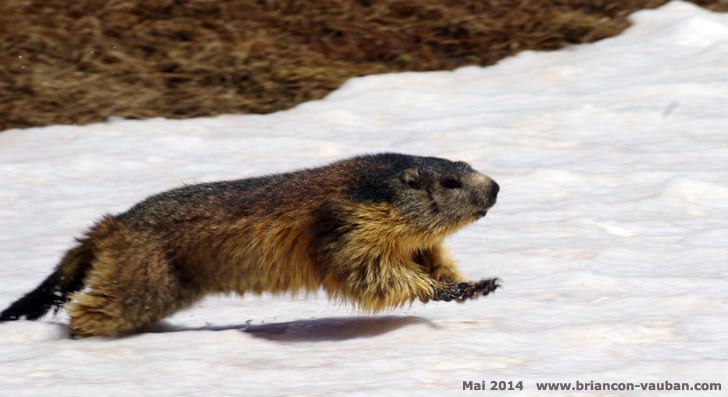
pixel 127 291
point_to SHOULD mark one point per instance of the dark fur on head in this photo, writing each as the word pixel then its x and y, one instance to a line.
pixel 429 192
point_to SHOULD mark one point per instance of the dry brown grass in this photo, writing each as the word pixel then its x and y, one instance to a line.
pixel 81 62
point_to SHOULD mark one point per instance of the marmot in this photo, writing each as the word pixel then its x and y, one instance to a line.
pixel 368 229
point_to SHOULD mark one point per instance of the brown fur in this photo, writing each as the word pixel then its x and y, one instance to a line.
pixel 369 230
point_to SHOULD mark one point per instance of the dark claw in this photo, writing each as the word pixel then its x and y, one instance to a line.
pixel 485 287
pixel 460 292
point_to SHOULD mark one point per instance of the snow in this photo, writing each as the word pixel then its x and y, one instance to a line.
pixel 609 235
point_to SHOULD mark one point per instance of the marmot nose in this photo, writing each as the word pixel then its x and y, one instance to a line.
pixel 493 193
pixel 495 189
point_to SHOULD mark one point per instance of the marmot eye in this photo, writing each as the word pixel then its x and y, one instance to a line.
pixel 451 184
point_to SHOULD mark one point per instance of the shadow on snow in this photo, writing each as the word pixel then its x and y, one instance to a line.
pixel 315 330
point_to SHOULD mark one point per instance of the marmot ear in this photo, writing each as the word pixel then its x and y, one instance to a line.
pixel 411 177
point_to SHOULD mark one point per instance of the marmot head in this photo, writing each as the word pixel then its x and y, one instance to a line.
pixel 430 194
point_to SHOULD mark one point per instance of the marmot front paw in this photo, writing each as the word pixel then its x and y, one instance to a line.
pixel 467 290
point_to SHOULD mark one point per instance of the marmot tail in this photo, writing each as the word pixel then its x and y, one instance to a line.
pixel 54 291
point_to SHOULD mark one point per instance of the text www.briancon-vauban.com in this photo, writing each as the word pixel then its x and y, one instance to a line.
pixel 595 386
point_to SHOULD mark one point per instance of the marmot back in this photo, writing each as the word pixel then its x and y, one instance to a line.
pixel 368 230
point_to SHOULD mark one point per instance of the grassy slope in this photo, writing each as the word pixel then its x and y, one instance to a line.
pixel 83 61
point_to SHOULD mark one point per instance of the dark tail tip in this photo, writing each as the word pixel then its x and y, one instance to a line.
pixel 35 303
pixel 55 289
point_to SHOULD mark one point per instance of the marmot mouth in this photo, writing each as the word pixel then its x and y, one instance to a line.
pixel 481 213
